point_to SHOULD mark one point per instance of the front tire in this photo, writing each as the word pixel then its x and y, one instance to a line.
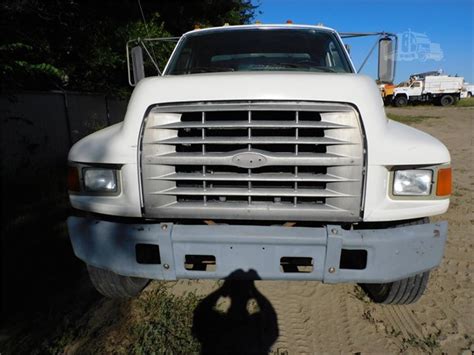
pixel 400 101
pixel 404 291
pixel 112 285
pixel 387 100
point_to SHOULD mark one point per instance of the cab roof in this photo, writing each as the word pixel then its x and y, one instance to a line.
pixel 259 26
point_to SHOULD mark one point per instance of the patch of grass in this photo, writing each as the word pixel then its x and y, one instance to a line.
pixel 367 315
pixel 165 324
pixel 158 322
pixel 467 102
pixel 408 118
pixel 359 294
pixel 429 343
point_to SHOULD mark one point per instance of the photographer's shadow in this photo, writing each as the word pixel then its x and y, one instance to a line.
pixel 248 325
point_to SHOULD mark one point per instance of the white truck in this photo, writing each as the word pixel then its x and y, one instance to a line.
pixel 467 90
pixel 441 90
pixel 260 148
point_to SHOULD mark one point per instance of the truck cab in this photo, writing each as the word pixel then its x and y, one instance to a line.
pixel 414 89
pixel 259 148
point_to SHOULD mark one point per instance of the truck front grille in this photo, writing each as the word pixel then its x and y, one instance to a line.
pixel 289 161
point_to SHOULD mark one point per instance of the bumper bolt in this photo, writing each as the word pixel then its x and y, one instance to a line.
pixel 334 231
pixel 166 266
pixel 164 227
pixel 332 270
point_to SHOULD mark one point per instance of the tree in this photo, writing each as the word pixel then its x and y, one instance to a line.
pixel 80 45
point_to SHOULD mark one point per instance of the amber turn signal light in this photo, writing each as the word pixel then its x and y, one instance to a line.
pixel 445 182
pixel 73 183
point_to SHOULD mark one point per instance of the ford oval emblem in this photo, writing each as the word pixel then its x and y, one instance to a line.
pixel 249 160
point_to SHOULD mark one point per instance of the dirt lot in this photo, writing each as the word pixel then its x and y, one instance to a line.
pixel 299 317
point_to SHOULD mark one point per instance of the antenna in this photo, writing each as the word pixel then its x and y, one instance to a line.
pixel 154 60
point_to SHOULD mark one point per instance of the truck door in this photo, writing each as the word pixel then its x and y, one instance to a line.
pixel 415 89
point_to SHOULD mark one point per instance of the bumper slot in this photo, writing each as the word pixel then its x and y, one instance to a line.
pixel 148 254
pixel 296 264
pixel 353 259
pixel 200 263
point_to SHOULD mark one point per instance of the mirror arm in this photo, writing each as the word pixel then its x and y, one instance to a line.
pixel 368 55
pixel 141 42
pixel 395 51
pixel 128 64
pixel 151 57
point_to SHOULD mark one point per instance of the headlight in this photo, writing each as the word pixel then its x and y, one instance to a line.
pixel 100 180
pixel 412 182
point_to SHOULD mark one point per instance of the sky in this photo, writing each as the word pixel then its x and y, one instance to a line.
pixel 446 27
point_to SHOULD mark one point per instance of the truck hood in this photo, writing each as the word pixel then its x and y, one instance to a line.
pixel 358 90
pixel 403 89
pixel 119 144
pixel 310 86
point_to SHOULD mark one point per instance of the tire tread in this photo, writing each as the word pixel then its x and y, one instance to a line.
pixel 405 291
pixel 112 285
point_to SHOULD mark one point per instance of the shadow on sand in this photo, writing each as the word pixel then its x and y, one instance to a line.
pixel 248 325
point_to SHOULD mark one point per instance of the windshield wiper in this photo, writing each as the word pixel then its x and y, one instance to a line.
pixel 306 65
pixel 209 69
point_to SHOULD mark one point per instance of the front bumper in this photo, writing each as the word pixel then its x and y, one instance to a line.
pixel 392 254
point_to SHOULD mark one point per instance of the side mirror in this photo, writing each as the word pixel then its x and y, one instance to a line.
pixel 138 68
pixel 387 55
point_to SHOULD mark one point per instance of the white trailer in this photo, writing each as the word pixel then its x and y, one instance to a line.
pixel 442 90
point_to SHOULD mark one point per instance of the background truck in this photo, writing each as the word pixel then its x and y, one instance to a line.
pixel 432 87
pixel 386 91
pixel 467 90
pixel 260 148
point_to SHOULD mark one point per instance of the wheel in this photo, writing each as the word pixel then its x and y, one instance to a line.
pixel 387 100
pixel 112 285
pixel 403 291
pixel 400 101
pixel 446 100
pixel 469 94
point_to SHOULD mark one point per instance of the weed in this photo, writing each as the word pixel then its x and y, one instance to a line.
pixel 409 118
pixel 395 333
pixel 367 315
pixel 468 102
pixel 429 342
pixel 165 324
pixel 359 293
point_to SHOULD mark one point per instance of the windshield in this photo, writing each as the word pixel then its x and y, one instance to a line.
pixel 259 50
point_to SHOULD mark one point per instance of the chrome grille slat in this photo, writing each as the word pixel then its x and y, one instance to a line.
pixel 250 140
pixel 214 210
pixel 245 177
pixel 301 159
pixel 250 192
pixel 247 124
pixel 274 160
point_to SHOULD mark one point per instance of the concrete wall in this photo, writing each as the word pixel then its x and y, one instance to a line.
pixel 37 130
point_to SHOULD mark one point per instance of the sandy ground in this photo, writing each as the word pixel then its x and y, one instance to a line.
pixel 319 318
